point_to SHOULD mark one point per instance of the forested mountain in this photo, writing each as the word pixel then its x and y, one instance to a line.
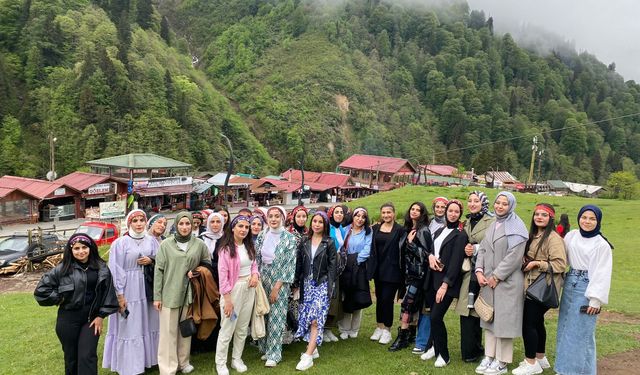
pixel 285 78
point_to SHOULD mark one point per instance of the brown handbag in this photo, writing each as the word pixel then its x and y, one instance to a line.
pixel 483 309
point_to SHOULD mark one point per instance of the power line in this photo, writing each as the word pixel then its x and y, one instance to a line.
pixel 542 132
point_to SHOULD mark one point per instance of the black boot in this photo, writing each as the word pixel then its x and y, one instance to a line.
pixel 412 334
pixel 401 342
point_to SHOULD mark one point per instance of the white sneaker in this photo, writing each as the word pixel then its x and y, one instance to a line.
pixel 263 357
pixel 418 351
pixel 222 370
pixel 484 365
pixel 306 362
pixel 376 334
pixel 353 334
pixel 344 335
pixel 544 362
pixel 238 365
pixel 187 369
pixel 315 354
pixel 385 338
pixel 329 336
pixel 440 362
pixel 270 363
pixel 526 368
pixel 428 354
pixel 496 368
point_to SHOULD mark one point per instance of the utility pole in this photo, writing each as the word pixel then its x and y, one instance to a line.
pixel 301 163
pixel 52 158
pixel 534 148
pixel 540 156
pixel 229 170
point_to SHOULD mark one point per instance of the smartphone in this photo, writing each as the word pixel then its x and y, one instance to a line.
pixel 583 309
pixel 233 316
pixel 125 313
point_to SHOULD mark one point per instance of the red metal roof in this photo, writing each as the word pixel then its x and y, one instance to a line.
pixel 330 180
pixel 37 188
pixel 440 170
pixel 82 180
pixel 6 191
pixel 379 163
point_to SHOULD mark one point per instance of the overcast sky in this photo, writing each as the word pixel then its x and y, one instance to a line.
pixel 608 29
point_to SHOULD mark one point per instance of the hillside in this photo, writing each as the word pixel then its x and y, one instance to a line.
pixel 282 79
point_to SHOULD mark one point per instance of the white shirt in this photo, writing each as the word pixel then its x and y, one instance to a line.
pixel 245 262
pixel 314 249
pixel 268 250
pixel 593 255
pixel 182 245
pixel 437 243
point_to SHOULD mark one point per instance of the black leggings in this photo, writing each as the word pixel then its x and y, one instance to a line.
pixel 534 333
pixel 385 295
pixel 79 343
pixel 438 329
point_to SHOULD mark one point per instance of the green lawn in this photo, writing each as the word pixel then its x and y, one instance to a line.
pixel 28 344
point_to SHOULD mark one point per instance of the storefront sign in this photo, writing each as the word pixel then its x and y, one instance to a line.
pixel 100 189
pixel 111 210
pixel 163 182
pixel 60 191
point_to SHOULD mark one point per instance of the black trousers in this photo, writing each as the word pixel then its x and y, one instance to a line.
pixel 385 299
pixel 79 343
pixel 470 338
pixel 534 333
pixel 438 329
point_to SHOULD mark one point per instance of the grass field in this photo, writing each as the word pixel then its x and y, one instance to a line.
pixel 28 344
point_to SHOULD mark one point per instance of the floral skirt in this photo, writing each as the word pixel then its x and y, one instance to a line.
pixel 315 306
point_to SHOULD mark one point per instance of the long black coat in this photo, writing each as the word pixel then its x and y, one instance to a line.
pixel 452 256
pixel 389 262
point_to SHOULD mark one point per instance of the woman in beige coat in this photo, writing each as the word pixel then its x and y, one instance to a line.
pixel 502 282
pixel 479 220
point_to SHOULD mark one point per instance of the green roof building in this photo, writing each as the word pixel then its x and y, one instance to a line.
pixel 139 166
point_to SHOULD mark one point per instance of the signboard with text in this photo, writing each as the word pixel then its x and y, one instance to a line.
pixel 112 210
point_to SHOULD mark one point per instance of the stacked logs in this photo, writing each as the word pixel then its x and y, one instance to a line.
pixel 23 265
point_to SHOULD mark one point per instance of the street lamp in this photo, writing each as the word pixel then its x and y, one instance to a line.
pixel 229 169
pixel 51 175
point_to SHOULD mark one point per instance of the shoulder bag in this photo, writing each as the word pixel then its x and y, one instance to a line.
pixel 483 309
pixel 187 326
pixel 542 292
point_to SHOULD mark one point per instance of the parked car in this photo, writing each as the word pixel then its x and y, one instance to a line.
pixel 101 232
pixel 35 246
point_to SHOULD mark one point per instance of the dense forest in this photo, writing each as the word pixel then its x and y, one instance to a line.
pixel 299 78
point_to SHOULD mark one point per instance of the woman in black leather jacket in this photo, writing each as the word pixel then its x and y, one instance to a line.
pixel 83 289
pixel 417 245
pixel 315 277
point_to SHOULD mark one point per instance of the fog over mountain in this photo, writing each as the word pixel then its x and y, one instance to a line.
pixel 607 29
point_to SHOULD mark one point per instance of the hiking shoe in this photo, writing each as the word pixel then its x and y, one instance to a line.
pixel 484 365
pixel 428 354
pixel 496 368
pixel 238 365
pixel 527 368
pixel 385 337
pixel 376 334
pixel 306 362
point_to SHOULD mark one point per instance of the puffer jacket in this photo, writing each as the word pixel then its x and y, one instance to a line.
pixel 68 290
pixel 417 254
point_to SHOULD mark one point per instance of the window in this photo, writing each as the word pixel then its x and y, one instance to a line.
pixel 109 233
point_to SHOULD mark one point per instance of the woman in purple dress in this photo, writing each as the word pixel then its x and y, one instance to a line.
pixel 132 340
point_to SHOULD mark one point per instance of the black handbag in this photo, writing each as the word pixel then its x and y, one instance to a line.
pixel 188 326
pixel 542 292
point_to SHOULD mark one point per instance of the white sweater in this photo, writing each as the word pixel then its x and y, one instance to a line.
pixel 593 255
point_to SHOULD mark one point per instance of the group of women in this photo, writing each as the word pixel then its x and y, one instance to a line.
pixel 313 272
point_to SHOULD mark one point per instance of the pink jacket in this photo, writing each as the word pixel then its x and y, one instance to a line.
pixel 229 270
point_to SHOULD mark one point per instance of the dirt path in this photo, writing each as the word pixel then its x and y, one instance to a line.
pixel 20 283
pixel 620 363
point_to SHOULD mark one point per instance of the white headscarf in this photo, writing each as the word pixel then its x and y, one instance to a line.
pixel 132 233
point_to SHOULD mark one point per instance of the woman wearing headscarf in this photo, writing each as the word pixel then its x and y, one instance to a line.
pixel 354 281
pixel 388 275
pixel 298 222
pixel 238 271
pixel 315 276
pixel 479 220
pixel 544 252
pixel 82 288
pixel 586 289
pixel 502 283
pixel 276 249
pixel 176 258
pixel 131 344
pixel 338 223
pixel 198 226
pixel 214 232
pixel 416 245
pixel 156 227
pixel 438 206
pixel 257 225
pixel 444 280
pixel 225 215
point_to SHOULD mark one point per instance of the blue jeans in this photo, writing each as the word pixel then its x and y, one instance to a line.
pixel 424 330
pixel 576 340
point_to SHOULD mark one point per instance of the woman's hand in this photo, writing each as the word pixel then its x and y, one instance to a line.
pixel 273 297
pixel 190 274
pixel 411 235
pixel 468 250
pixel 97 325
pixel 441 292
pixel 481 279
pixel 493 282
pixel 157 305
pixel 592 310
pixel 253 281
pixel 531 265
pixel 433 263
pixel 143 261
pixel 228 307
pixel 122 302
